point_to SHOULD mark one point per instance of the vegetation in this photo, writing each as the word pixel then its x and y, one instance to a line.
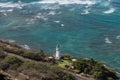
pixel 4 76
pixel 64 63
pixel 13 48
pixel 44 71
pixel 25 70
pixel 66 57
pixel 88 66
pixel 52 69
pixel 94 68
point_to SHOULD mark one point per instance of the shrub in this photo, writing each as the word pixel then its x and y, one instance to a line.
pixel 44 71
pixel 91 67
pixel 2 55
pixel 66 56
pixel 33 55
pixel 12 62
pixel 4 66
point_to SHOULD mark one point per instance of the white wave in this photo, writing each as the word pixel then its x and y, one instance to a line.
pixel 57 21
pixel 5 14
pixel 6 10
pixel 20 5
pixel 62 2
pixel 25 47
pixel 19 1
pixel 41 16
pixel 49 7
pixel 86 11
pixel 43 5
pixel 36 17
pixel 118 37
pixel 109 0
pixel 111 10
pixel 30 21
pixel 62 25
pixel 11 5
pixel 52 13
pixel 107 40
pixel 11 41
pixel 72 9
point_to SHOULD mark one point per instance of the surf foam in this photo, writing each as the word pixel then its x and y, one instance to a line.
pixel 111 10
pixel 25 47
pixel 10 5
pixel 62 2
pixel 86 11
pixel 118 37
pixel 8 10
pixel 107 40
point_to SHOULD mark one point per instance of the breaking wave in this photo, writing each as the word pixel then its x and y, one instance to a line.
pixel 55 4
pixel 20 4
pixel 62 2
pixel 107 40
pixel 109 11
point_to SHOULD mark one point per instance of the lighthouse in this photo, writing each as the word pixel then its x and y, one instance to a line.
pixel 57 54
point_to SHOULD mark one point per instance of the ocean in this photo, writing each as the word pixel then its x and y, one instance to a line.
pixel 83 28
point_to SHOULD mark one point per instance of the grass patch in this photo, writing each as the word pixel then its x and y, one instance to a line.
pixel 63 63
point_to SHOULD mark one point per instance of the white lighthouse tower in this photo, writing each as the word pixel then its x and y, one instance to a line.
pixel 57 54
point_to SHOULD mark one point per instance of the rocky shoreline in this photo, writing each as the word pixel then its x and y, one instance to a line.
pixel 24 55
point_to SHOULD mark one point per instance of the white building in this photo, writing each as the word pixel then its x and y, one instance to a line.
pixel 57 54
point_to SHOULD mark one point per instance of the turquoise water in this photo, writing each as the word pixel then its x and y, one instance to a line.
pixel 89 28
